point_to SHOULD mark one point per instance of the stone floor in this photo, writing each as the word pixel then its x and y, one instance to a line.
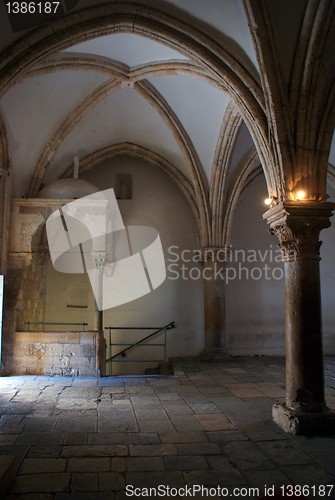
pixel 208 425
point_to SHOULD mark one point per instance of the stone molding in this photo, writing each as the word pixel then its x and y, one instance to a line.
pixel 297 226
pixel 229 130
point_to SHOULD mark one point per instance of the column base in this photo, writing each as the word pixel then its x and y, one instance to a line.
pixel 301 422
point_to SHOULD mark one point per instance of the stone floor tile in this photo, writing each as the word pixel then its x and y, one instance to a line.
pixel 314 444
pixel 111 481
pixel 11 428
pixel 152 450
pixel 146 438
pixel 219 462
pixel 39 465
pixel 263 478
pixel 185 423
pixel 205 408
pixel 74 405
pixel 157 414
pixel 213 478
pixel 225 437
pixel 185 463
pixel 245 455
pixel 89 495
pixel 215 422
pixel 198 449
pixel 95 450
pixel 89 464
pixel 134 464
pixel 235 370
pixel 155 426
pixel 263 404
pixel 213 389
pixel 192 399
pixel 76 438
pixel 274 391
pixel 285 453
pixel 311 474
pixel 79 424
pixel 243 393
pixel 37 483
pixel 110 438
pixel 144 400
pixel 50 451
pixel 38 438
pixel 178 409
pixel 84 481
pixel 30 496
pixel 244 418
pixel 118 464
pixel 168 396
pixel 37 424
pixel 183 437
pixel 174 479
pixel 79 391
pixel 266 435
pixel 20 452
pixel 8 439
pixel 326 459
pixel 117 423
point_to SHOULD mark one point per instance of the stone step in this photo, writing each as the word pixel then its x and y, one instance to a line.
pixel 7 473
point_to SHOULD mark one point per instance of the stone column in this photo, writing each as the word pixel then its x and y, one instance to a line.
pixel 214 301
pixel 297 224
pixel 99 259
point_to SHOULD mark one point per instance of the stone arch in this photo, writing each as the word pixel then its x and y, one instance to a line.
pixel 5 171
pixel 230 126
pixel 136 151
pixel 159 26
pixel 250 169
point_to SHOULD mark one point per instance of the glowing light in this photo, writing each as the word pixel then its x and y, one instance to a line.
pixel 300 195
pixel 271 200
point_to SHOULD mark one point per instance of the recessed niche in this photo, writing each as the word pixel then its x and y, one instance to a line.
pixel 124 187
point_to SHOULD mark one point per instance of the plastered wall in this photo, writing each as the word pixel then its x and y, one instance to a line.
pixel 157 202
pixel 255 307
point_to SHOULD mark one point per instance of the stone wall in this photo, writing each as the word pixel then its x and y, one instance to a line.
pixel 58 353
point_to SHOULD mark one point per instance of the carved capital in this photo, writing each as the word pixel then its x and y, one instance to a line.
pixel 297 226
pixel 99 259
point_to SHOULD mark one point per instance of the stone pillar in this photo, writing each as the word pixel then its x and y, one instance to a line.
pixel 297 224
pixel 214 301
pixel 99 259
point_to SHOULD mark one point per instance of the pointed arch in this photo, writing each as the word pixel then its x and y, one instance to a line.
pixel 161 27
pixel 251 168
pixel 5 171
pixel 230 126
pixel 152 158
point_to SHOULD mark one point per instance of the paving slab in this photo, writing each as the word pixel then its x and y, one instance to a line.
pixel 8 466
pixel 86 438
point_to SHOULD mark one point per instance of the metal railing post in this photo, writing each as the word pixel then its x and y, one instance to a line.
pixel 165 338
pixel 140 343
pixel 110 350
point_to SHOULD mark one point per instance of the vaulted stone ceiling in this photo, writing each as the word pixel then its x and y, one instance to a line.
pixel 125 88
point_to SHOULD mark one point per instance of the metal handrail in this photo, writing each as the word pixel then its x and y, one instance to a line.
pixel 83 324
pixel 139 343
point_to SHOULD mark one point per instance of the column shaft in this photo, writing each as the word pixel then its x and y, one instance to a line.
pixel 297 226
pixel 304 358
pixel 214 301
